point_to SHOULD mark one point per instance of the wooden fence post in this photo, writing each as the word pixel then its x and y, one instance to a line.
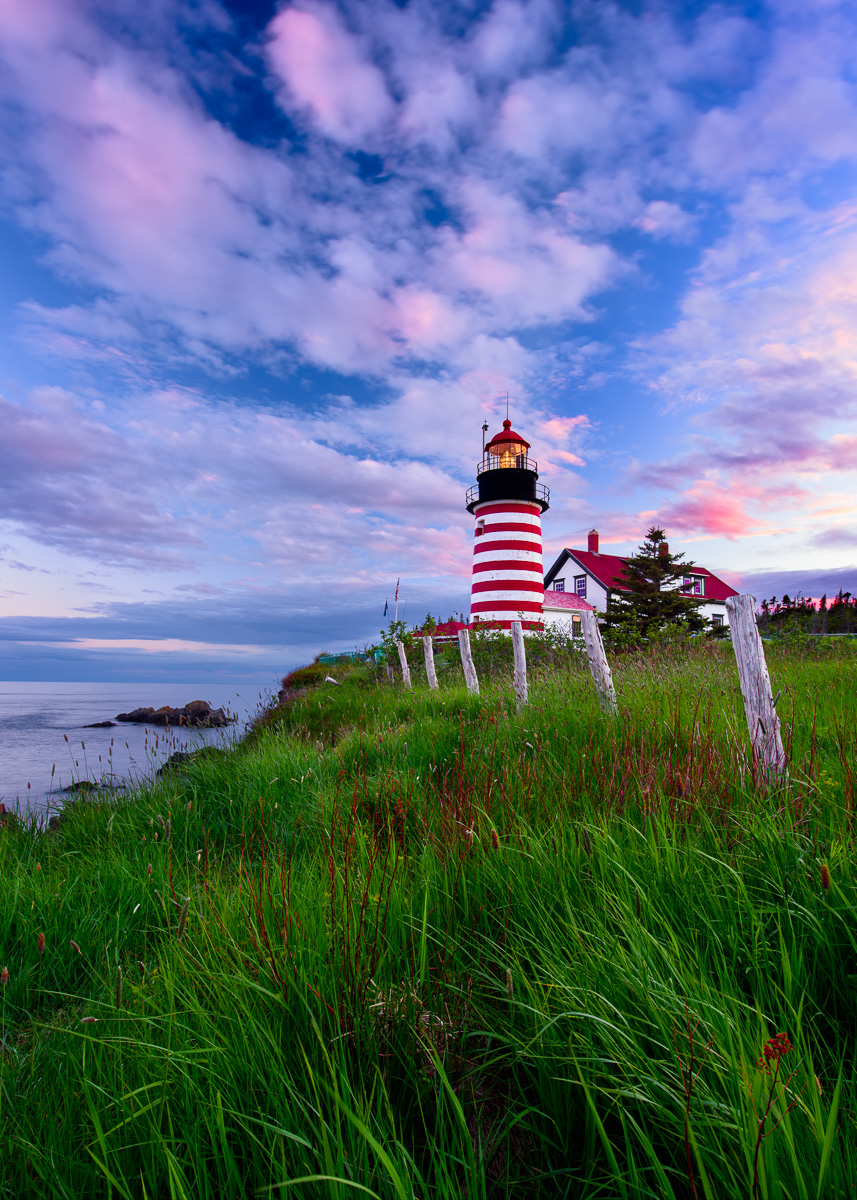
pixel 431 674
pixel 763 721
pixel 406 670
pixel 470 676
pixel 602 676
pixel 520 663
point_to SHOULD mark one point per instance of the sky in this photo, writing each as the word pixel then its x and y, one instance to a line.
pixel 266 268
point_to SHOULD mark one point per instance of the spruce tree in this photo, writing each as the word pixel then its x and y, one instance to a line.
pixel 653 595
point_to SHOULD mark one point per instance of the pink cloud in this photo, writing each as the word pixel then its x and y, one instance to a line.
pixel 707 507
pixel 663 219
pixel 427 320
pixel 559 429
pixel 327 71
pixel 520 258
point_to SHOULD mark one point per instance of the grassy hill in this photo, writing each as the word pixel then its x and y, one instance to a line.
pixel 414 945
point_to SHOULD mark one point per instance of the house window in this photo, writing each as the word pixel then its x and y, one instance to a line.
pixel 576 627
pixel 716 620
pixel 559 585
pixel 580 585
pixel 695 584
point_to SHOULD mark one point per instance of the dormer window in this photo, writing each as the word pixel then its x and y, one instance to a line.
pixel 559 585
pixel 580 585
pixel 695 584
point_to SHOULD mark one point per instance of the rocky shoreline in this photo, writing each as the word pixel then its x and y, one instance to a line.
pixel 198 714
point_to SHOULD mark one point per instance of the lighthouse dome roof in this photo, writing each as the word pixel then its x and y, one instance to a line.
pixel 507 435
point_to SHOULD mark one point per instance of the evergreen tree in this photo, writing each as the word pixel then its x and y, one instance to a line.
pixel 654 597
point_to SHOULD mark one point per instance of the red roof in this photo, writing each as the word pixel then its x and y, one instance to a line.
pixel 567 600
pixel 607 569
pixel 445 629
pixel 508 435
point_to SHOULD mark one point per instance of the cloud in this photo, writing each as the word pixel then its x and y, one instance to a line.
pixel 663 219
pixel 173 481
pixel 512 36
pixel 799 581
pixel 763 364
pixel 65 477
pixel 239 635
pixel 801 110
pixel 710 508
pixel 837 536
pixel 327 71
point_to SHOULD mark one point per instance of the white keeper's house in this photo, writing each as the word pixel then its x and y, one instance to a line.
pixel 507 581
pixel 592 577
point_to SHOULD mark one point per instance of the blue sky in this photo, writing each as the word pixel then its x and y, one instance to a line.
pixel 267 268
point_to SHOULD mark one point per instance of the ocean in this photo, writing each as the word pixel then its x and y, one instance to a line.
pixel 36 760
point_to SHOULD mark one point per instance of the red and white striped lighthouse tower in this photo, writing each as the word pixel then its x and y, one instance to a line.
pixel 507 502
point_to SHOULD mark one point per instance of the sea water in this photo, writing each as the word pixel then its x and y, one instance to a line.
pixel 44 746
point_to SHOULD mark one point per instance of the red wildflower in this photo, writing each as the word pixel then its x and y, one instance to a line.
pixel 41 944
pixel 825 877
pixel 773 1050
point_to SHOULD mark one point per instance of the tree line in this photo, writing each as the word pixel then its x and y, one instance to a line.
pixel 825 618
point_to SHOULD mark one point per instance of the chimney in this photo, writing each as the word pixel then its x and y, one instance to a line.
pixel 593 541
pixel 664 549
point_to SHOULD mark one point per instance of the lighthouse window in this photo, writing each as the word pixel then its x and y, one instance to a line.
pixel 480 527
pixel 580 585
pixel 559 585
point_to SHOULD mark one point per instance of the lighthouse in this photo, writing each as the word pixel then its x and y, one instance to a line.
pixel 507 502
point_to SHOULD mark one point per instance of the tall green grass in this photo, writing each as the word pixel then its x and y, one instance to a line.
pixel 421 945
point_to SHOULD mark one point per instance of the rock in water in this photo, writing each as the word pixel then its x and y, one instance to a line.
pixel 198 714
pixel 100 725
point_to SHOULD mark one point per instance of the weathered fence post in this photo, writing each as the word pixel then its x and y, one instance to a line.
pixel 602 676
pixel 520 663
pixel 759 705
pixel 470 677
pixel 406 670
pixel 428 651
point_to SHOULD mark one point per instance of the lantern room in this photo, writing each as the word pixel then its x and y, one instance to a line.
pixel 507 472
pixel 506 449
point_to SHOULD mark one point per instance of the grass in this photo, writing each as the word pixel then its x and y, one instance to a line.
pixel 416 945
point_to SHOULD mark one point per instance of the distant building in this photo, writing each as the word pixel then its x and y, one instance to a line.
pixel 592 577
